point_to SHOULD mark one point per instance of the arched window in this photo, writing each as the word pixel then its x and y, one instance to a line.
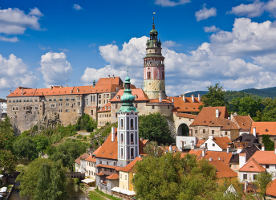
pixel 122 123
pixel 148 75
pixel 131 138
pixel 131 124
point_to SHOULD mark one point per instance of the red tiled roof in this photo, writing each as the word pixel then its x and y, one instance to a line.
pixel 200 142
pixel 103 85
pixel 91 159
pixel 207 117
pixel 108 149
pixel 186 115
pixel 223 170
pixel 252 166
pixel 271 188
pixel 265 157
pixel 106 108
pixel 212 155
pixel 264 128
pixel 100 174
pixel 187 106
pixel 131 165
pixel 113 176
pixel 81 157
pixel 244 122
pixel 157 101
pixel 139 94
pixel 106 166
pixel 222 142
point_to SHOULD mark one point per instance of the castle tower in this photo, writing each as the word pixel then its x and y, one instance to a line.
pixel 127 132
pixel 154 69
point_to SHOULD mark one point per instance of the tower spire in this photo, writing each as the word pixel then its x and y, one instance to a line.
pixel 153 25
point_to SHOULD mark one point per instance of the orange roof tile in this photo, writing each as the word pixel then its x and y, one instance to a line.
pixel 186 115
pixel 265 157
pixel 100 174
pixel 271 188
pixel 139 94
pixel 207 117
pixel 222 142
pixel 165 101
pixel 81 157
pixel 212 155
pixel 252 166
pixel 131 165
pixel 200 142
pixel 103 85
pixel 264 128
pixel 223 170
pixel 187 106
pixel 244 122
pixel 113 176
pixel 108 149
pixel 106 108
pixel 91 159
pixel 106 166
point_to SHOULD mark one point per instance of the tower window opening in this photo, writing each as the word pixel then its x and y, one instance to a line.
pixel 148 75
pixel 131 124
pixel 132 138
pixel 122 123
pixel 122 152
pixel 132 153
pixel 122 138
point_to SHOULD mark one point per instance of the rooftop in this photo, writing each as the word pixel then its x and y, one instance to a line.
pixel 223 170
pixel 271 188
pixel 264 128
pixel 252 166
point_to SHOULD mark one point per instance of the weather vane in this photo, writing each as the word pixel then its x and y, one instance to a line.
pixel 153 13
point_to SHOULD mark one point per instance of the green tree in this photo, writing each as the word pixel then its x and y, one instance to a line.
pixel 41 143
pixel 246 106
pixel 263 179
pixel 170 177
pixel 43 179
pixel 7 161
pixel 154 127
pixel 85 122
pixel 215 96
pixel 67 152
pixel 6 135
pixel 268 144
pixel 269 112
pixel 25 147
pixel 153 149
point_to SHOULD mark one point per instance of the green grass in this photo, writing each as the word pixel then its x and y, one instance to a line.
pixel 107 195
pixel 95 196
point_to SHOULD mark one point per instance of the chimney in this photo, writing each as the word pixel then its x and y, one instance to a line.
pixel 198 97
pixel 203 153
pixel 193 98
pixel 254 131
pixel 242 159
pixel 227 150
pixel 217 113
pixel 263 148
pixel 172 99
pixel 183 97
pixel 112 134
pixel 170 148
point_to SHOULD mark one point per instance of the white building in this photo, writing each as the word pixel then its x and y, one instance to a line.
pixel 216 143
pixel 185 142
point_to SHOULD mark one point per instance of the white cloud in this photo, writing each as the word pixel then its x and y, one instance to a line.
pixel 55 68
pixel 211 29
pixel 15 21
pixel 250 10
pixel 9 39
pixel 171 3
pixel 242 58
pixel 255 9
pixel 77 7
pixel 14 72
pixel 205 13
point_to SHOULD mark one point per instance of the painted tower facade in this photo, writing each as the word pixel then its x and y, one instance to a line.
pixel 127 132
pixel 154 69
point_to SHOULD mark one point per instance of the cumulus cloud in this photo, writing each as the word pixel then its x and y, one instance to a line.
pixel 255 9
pixel 77 7
pixel 14 21
pixel 55 68
pixel 211 29
pixel 14 72
pixel 171 3
pixel 205 13
pixel 9 39
pixel 242 58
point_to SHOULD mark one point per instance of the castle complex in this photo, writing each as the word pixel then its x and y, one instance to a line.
pixel 102 100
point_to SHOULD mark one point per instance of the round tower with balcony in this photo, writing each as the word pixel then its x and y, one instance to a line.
pixel 154 69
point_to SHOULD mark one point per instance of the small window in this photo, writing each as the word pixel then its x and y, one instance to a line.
pixel 152 107
pixel 244 176
pixel 132 153
pixel 131 124
pixel 122 152
pixel 225 133
pixel 148 75
pixel 213 132
pixel 255 177
pixel 122 123
pixel 132 138
pixel 122 138
pixel 266 166
pixel 213 144
pixel 203 130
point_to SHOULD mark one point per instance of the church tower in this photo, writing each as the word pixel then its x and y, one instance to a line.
pixel 154 69
pixel 127 132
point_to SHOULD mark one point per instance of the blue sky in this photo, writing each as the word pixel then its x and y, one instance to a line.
pixel 68 42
